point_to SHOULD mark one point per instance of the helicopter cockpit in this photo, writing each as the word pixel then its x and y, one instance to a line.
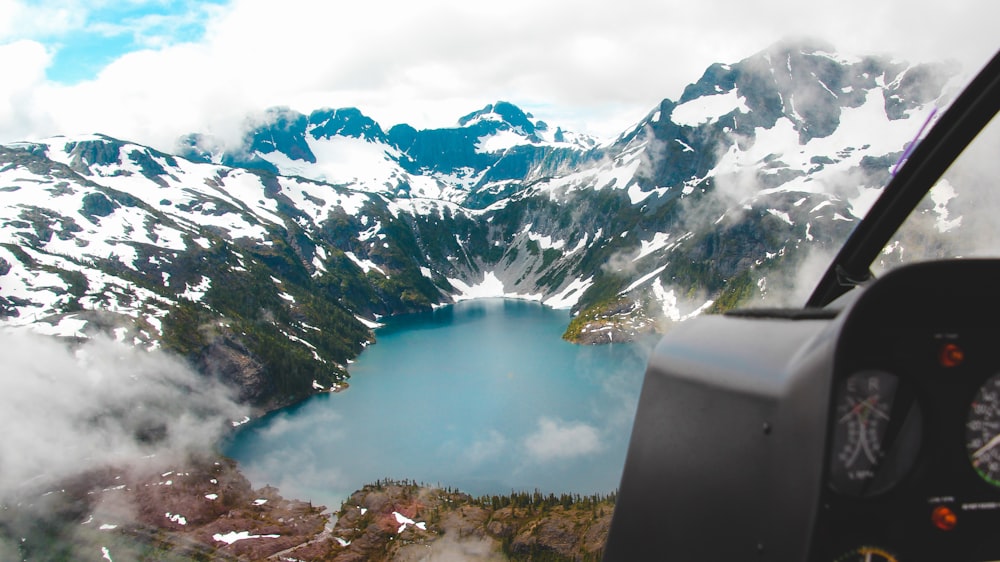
pixel 864 426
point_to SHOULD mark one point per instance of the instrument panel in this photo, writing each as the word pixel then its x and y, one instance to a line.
pixel 863 431
pixel 913 443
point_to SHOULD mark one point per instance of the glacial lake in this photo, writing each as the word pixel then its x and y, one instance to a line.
pixel 483 396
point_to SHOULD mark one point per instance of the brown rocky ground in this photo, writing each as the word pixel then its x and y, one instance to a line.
pixel 206 510
pixel 406 522
pixel 186 511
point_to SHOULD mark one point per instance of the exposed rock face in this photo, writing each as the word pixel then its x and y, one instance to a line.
pixel 231 361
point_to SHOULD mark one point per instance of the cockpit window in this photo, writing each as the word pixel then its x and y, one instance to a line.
pixel 959 216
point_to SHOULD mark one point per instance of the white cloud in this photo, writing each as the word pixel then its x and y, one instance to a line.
pixel 313 478
pixel 588 66
pixel 156 30
pixel 287 422
pixel 23 64
pixel 484 449
pixel 557 440
pixel 452 548
pixel 65 411
pixel 21 19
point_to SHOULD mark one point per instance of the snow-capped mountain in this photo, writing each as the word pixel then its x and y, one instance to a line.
pixel 268 263
pixel 471 164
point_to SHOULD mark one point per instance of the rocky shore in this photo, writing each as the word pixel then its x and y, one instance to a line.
pixel 206 509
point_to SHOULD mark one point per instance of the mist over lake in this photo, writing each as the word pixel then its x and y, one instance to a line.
pixel 483 396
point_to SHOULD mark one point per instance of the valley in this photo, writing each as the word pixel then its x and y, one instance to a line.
pixel 265 266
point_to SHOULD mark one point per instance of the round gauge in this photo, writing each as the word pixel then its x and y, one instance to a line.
pixel 867 554
pixel 876 433
pixel 982 431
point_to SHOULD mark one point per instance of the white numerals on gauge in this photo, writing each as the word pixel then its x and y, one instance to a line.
pixel 982 431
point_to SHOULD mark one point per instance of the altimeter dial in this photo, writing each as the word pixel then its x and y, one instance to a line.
pixel 982 431
pixel 876 433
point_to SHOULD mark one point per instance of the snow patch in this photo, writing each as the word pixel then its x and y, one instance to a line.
pixel 404 521
pixel 370 324
pixel 67 326
pixel 708 109
pixel 197 292
pixel 544 242
pixel 233 536
pixel 365 265
pixel 648 247
pixel 781 215
pixel 863 201
pixel 569 296
pixel 669 304
pixel 489 287
pixel 341 160
pixel 639 282
pixel 941 194
pixel 499 142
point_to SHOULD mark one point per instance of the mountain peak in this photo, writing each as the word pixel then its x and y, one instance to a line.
pixel 345 122
pixel 504 112
pixel 284 131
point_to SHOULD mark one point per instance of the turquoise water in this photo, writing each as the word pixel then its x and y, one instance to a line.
pixel 482 396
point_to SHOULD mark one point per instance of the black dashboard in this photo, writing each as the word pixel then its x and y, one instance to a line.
pixel 912 467
pixel 865 431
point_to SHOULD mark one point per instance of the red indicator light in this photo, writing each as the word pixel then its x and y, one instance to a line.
pixel 951 355
pixel 944 518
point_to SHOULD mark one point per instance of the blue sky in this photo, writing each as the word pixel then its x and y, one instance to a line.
pixel 152 70
pixel 110 30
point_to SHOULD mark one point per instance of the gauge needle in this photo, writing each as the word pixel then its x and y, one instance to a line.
pixel 869 405
pixel 866 404
pixel 855 409
pixel 982 450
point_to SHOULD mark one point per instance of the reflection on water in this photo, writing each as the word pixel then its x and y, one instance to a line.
pixel 482 396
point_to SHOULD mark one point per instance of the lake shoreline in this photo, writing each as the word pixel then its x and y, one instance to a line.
pixel 397 398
